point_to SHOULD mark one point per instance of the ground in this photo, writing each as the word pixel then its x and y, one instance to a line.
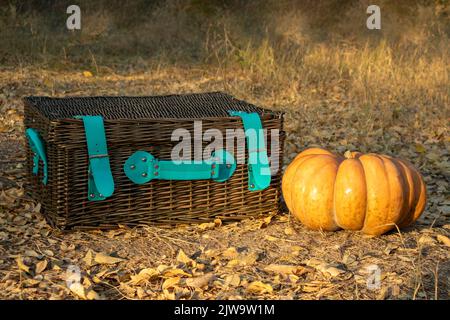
pixel 272 257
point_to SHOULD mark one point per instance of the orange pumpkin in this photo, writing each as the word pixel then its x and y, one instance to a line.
pixel 367 192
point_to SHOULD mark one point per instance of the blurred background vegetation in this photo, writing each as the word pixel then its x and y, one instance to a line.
pixel 288 52
pixel 259 34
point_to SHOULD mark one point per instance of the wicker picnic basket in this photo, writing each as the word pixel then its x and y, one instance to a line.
pixel 67 170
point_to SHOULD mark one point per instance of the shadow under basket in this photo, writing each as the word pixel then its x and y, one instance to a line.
pixel 97 162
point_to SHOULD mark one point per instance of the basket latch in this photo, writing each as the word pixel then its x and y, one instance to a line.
pixel 37 147
pixel 259 175
pixel 100 182
pixel 141 167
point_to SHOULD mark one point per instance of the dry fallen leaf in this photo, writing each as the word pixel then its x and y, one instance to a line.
pixel 127 290
pixel 310 287
pixel 259 287
pixel 293 278
pixel 87 74
pixel 243 260
pixel 271 238
pixel 41 266
pixel 295 250
pixel 170 282
pixel 420 148
pixel 48 253
pixel 443 239
pixel 144 275
pixel 162 267
pixel 383 294
pixel 248 259
pixel 48 82
pixel 89 258
pixel 200 281
pixel 5 200
pixel 92 295
pixel 217 222
pixel 37 208
pixel 426 240
pixel 78 289
pixel 289 231
pixel 183 258
pixel 3 128
pixel 263 223
pixel 230 253
pixel 32 253
pixel 31 282
pixel 285 269
pixel 103 258
pixel 175 272
pixel 140 293
pixel 84 293
pixel 3 236
pixel 233 263
pixel 232 280
pixel 92 258
pixel 331 270
pixel 22 266
pixel 206 226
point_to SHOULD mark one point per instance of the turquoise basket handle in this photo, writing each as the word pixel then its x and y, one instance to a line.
pixel 142 167
pixel 259 175
pixel 100 182
pixel 37 147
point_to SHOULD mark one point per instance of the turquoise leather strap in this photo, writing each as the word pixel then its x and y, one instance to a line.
pixel 37 147
pixel 258 162
pixel 100 183
pixel 141 167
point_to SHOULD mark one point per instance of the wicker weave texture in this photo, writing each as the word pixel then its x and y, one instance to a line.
pixel 142 123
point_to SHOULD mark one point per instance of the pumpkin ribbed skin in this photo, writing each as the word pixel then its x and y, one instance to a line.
pixel 367 192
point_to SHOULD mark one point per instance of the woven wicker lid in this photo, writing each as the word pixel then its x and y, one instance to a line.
pixel 181 106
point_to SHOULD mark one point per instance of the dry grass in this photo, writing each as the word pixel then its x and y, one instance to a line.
pixel 348 89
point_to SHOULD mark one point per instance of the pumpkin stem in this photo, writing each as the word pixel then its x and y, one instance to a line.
pixel 348 154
